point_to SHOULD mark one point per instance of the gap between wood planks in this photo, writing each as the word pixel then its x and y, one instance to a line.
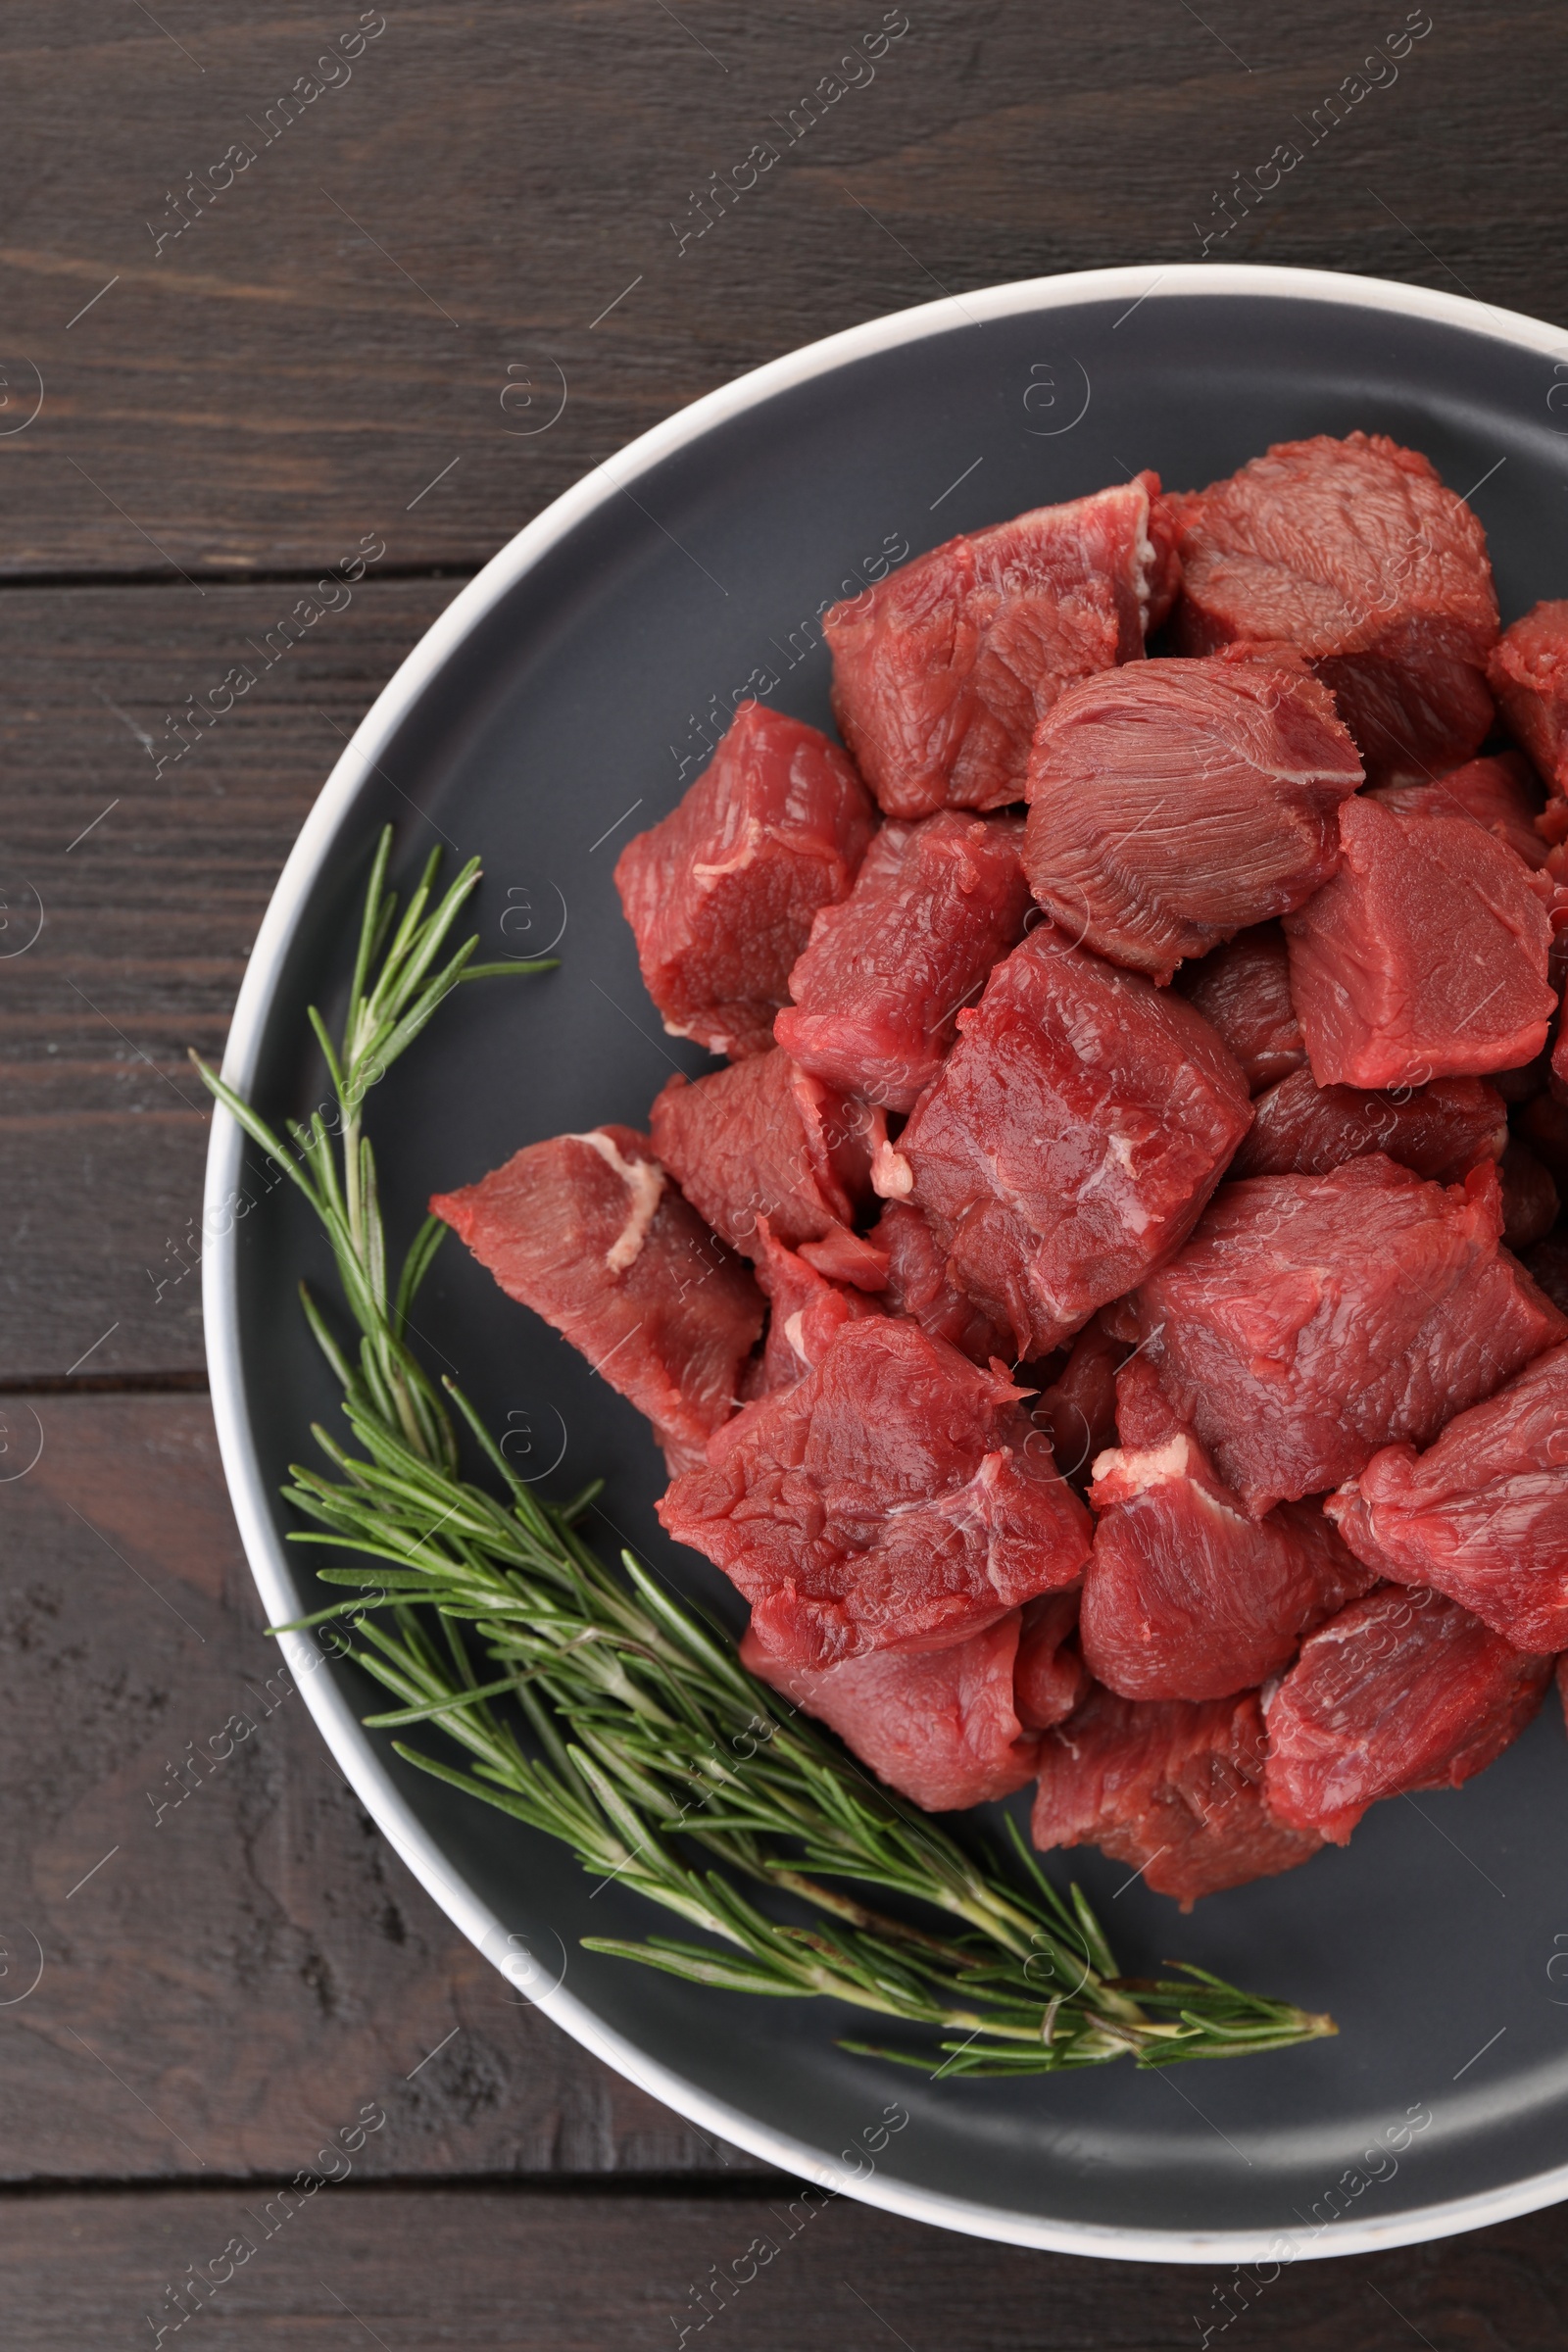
pixel 733 2188
pixel 228 576
pixel 107 1384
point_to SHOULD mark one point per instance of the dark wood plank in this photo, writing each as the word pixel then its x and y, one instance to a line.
pixel 498 2271
pixel 148 885
pixel 232 1957
pixel 450 226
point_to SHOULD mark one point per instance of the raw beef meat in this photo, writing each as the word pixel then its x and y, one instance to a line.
pixel 1312 1319
pixel 1354 552
pixel 1173 803
pixel 1403 1691
pixel 942 673
pixel 918 1285
pixel 1502 794
pixel 877 991
pixel 1530 1201
pixel 804 1310
pixel 1529 675
pixel 586 1229
pixel 1120 1321
pixel 1184 1596
pixel 722 893
pixel 1244 991
pixel 1300 1128
pixel 884 1502
pixel 938 1726
pixel 845 1257
pixel 764 1138
pixel 1424 958
pixel 1145 1419
pixel 1078 1408
pixel 1483 1514
pixel 1048 1677
pixel 1077 1128
pixel 1172 1789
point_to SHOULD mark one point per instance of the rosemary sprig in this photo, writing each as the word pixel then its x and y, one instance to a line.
pixel 609 1714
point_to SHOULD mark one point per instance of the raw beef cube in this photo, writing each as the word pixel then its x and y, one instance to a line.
pixel 1184 1596
pixel 943 671
pixel 918 1285
pixel 1529 675
pixel 1424 958
pixel 1312 1319
pixel 1048 1677
pixel 722 893
pixel 1244 991
pixel 1354 552
pixel 764 1138
pixel 804 1310
pixel 1172 1789
pixel 938 1726
pixel 1403 1691
pixel 1500 795
pixel 1077 1128
pixel 878 989
pixel 1442 1130
pixel 1530 1201
pixel 587 1231
pixel 1078 1409
pixel 886 1501
pixel 1173 803
pixel 1483 1514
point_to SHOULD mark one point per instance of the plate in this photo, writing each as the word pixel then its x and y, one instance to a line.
pixel 565 700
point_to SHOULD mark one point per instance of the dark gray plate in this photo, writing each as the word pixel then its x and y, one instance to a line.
pixel 563 702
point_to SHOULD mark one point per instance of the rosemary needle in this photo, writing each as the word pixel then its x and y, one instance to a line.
pixel 609 1714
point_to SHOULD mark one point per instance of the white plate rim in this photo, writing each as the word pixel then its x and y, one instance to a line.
pixel 334 1718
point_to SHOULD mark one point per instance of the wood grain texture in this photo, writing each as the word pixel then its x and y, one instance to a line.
pixel 365 337
pixel 496 2270
pixel 231 1958
pixel 447 228
pixel 140 889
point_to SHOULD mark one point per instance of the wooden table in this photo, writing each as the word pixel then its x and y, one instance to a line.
pixel 273 306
